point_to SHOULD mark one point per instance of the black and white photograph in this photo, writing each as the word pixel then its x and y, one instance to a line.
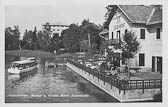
pixel 82 52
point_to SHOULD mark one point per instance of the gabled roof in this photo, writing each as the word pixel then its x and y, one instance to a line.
pixel 139 14
pixel 156 17
pixel 136 13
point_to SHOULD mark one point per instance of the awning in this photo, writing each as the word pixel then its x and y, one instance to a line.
pixel 105 31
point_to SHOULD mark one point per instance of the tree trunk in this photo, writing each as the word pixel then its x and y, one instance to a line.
pixel 20 47
pixel 128 68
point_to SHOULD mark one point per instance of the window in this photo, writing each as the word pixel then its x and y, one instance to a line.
pixel 158 33
pixel 142 33
pixel 118 35
pixel 125 31
pixel 141 59
pixel 112 35
pixel 118 19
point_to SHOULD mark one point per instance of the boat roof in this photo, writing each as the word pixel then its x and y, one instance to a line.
pixel 23 61
pixel 31 58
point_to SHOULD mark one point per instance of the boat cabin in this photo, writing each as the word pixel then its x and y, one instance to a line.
pixel 23 64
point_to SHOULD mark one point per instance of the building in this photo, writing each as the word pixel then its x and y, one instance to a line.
pixel 56 28
pixel 146 22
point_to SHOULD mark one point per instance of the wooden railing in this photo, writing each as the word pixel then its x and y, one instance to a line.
pixel 120 84
pixel 114 41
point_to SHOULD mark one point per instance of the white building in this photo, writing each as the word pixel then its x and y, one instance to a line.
pixel 57 28
pixel 146 22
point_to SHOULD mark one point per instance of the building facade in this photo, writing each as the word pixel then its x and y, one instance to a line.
pixel 57 28
pixel 146 23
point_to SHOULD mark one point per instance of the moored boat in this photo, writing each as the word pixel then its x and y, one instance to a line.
pixel 18 67
pixel 31 59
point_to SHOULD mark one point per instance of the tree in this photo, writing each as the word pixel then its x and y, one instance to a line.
pixel 43 40
pixel 34 39
pixel 111 10
pixel 129 46
pixel 12 38
pixel 84 45
pixel 71 38
pixel 55 43
pixel 104 47
pixel 28 39
pixel 90 32
pixel 8 38
pixel 92 49
pixel 47 29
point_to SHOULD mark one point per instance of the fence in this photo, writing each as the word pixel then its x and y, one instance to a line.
pixel 121 84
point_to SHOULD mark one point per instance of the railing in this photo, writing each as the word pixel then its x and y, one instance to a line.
pixel 121 84
pixel 114 41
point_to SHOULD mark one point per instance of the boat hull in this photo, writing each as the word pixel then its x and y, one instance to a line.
pixel 19 71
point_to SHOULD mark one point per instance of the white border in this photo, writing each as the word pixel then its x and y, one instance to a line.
pixel 3 3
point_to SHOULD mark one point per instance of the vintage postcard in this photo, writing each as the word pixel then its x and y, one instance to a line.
pixel 83 52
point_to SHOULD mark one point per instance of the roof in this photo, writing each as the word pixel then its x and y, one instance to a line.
pixel 23 61
pixel 136 13
pixel 156 17
pixel 139 14
pixel 31 58
pixel 105 31
pixel 59 25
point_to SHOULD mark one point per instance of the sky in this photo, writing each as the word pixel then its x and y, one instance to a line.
pixel 27 15
pixel 30 13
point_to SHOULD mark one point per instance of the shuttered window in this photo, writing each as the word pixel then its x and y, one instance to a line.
pixel 142 33
pixel 158 33
pixel 141 59
pixel 125 31
pixel 112 35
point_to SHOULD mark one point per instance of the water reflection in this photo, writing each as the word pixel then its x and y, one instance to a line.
pixel 22 76
pixel 50 81
pixel 13 77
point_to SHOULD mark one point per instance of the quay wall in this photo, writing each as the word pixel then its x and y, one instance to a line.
pixel 120 95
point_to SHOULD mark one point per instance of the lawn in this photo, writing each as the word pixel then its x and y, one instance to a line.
pixel 37 53
pixel 29 53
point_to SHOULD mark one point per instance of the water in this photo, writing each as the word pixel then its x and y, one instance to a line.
pixel 50 85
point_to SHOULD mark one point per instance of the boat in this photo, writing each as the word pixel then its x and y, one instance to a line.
pixel 19 67
pixel 31 59
pixel 51 64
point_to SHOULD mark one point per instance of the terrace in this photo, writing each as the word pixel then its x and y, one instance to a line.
pixel 120 73
pixel 141 83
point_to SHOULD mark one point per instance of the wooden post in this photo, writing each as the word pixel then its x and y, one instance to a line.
pixel 104 78
pixel 143 86
pixel 161 86
pixel 111 82
pixel 98 76
pixel 124 87
pixel 154 83
pixel 119 86
pixel 93 74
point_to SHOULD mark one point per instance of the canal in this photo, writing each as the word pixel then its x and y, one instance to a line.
pixel 50 85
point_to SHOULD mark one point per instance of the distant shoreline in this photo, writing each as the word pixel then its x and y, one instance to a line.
pixel 35 53
pixel 29 53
